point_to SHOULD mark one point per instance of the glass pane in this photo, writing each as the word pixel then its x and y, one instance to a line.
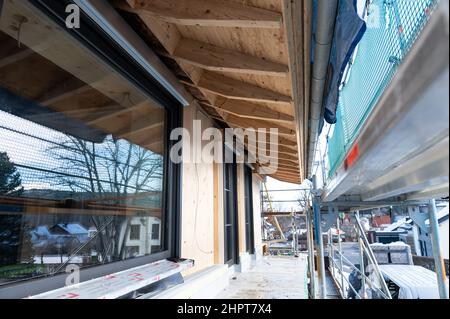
pixel 81 154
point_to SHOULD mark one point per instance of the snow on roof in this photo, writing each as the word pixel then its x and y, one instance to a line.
pixel 397 224
pixel 441 214
pixel 41 231
pixel 74 229
pixel 393 244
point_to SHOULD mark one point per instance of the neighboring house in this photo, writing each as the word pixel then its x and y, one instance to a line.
pixel 73 230
pixel 58 238
pixel 378 221
pixel 426 248
pixel 143 236
pixel 407 231
pixel 394 232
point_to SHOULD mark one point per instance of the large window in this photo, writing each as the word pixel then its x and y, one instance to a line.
pixel 248 201
pixel 84 174
pixel 231 249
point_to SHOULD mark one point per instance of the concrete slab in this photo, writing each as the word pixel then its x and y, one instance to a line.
pixel 272 277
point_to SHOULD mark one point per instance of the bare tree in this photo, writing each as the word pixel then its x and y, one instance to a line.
pixel 110 173
pixel 304 199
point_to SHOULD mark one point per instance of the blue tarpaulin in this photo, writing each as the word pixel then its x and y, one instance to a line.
pixel 349 29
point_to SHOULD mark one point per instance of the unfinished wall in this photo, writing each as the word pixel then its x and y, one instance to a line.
pixel 219 231
pixel 197 230
pixel 202 229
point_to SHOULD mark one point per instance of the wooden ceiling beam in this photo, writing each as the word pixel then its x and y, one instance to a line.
pixel 238 90
pixel 117 113
pixel 154 144
pixel 214 58
pixel 66 89
pixel 211 13
pixel 16 57
pixel 298 25
pixel 256 124
pixel 282 150
pixel 251 111
pixel 140 125
pixel 280 141
pixel 282 162
pixel 286 175
pixel 151 133
pixel 284 156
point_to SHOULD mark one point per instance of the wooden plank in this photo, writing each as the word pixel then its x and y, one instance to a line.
pixel 166 33
pixel 70 88
pixel 239 90
pixel 141 125
pixel 288 167
pixel 281 143
pixel 286 159
pixel 156 147
pixel 281 150
pixel 288 156
pixel 215 58
pixel 100 112
pixel 211 13
pixel 293 12
pixel 216 212
pixel 251 111
pixel 282 163
pixel 111 115
pixel 289 143
pixel 307 36
pixel 264 214
pixel 169 37
pixel 16 57
pixel 11 52
pixel 256 124
pixel 154 133
pixel 292 160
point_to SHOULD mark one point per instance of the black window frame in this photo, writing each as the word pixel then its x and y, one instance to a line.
pixel 230 209
pixel 248 202
pixel 108 50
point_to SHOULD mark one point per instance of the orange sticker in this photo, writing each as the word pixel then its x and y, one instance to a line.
pixel 352 156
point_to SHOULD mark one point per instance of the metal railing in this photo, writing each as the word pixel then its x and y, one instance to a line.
pixel 341 278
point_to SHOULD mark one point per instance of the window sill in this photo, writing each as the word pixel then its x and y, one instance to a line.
pixel 119 284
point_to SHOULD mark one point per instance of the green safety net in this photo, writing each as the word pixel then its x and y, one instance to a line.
pixel 392 28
